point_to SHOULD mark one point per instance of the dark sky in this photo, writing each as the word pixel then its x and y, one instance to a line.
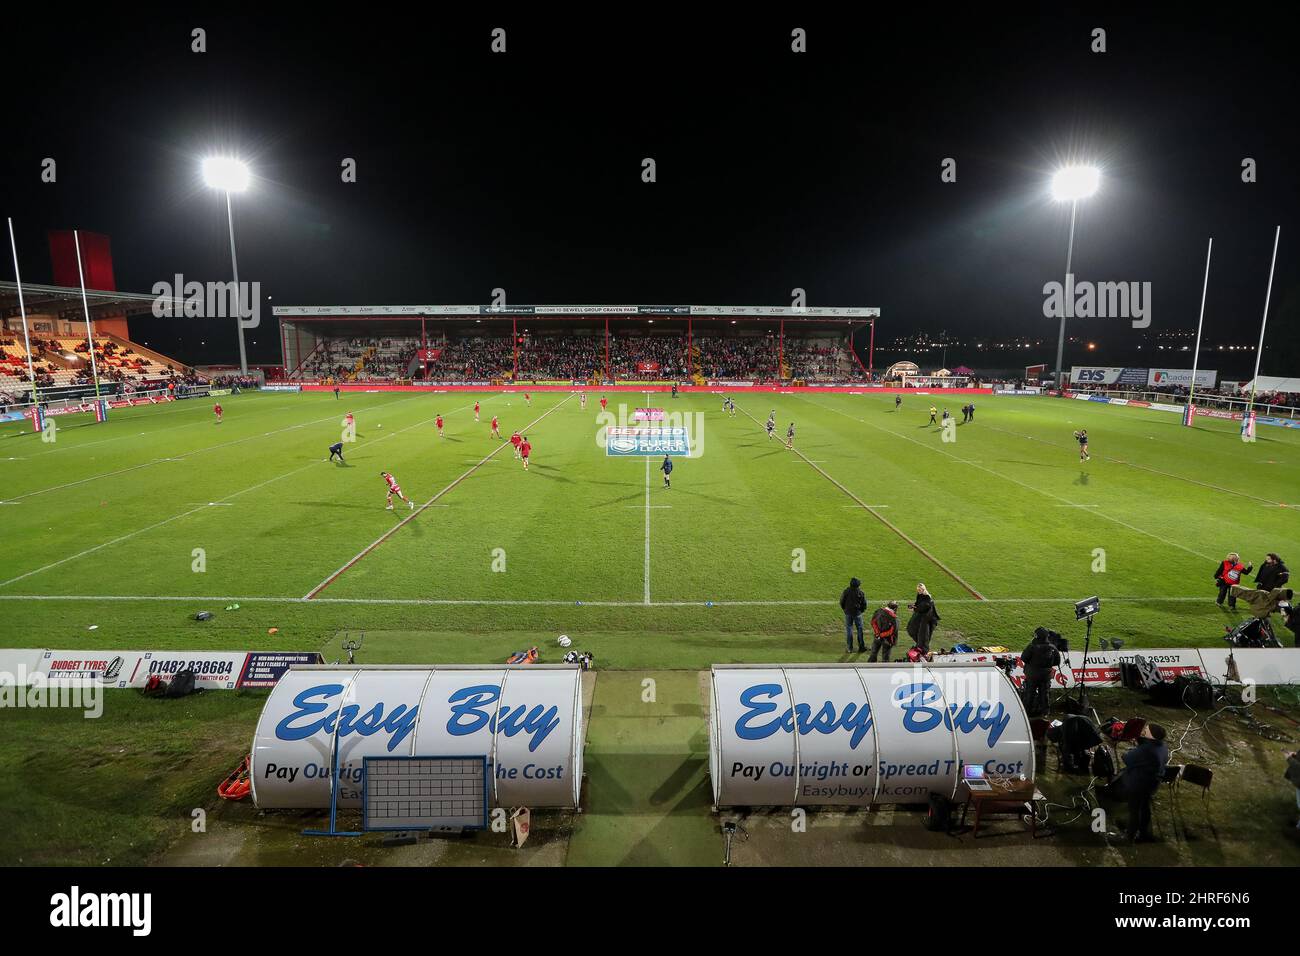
pixel 775 170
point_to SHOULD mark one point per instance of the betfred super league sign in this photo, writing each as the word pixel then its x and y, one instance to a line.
pixel 632 440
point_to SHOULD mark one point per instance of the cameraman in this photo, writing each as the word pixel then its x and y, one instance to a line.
pixel 1144 769
pixel 1039 658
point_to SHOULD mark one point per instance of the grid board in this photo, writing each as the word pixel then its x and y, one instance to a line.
pixel 425 793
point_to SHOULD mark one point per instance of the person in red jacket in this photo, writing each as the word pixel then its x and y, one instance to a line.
pixel 525 449
pixel 496 431
pixel 603 402
pixel 216 410
pixel 528 400
pixel 476 411
pixel 1226 574
pixel 884 630
pixel 516 439
pixel 438 422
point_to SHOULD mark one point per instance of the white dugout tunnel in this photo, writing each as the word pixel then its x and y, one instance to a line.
pixel 526 719
pixel 860 734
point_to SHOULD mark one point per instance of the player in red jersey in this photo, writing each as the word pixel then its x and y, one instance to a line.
pixel 603 402
pixel 525 449
pixel 439 424
pixel 395 489
pixel 216 410
pixel 476 411
pixel 496 431
pixel 516 439
pixel 528 400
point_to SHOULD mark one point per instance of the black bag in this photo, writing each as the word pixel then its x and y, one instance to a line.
pixel 939 813
pixel 181 685
pixel 1195 692
pixel 1103 764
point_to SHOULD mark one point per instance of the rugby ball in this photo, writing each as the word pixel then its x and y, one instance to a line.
pixel 564 640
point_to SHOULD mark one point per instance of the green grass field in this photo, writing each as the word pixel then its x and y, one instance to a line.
pixel 101 528
pixel 1004 525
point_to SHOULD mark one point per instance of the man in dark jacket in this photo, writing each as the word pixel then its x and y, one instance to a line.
pixel 1038 659
pixel 921 625
pixel 1144 769
pixel 1273 573
pixel 853 602
pixel 884 628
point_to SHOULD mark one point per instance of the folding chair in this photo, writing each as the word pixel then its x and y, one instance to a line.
pixel 1198 777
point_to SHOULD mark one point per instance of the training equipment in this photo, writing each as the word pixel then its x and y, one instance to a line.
pixel 563 640
pixel 867 734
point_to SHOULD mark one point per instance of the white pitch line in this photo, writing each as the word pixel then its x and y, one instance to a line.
pixel 197 451
pixel 1015 481
pixel 647 529
pixel 311 595
pixel 157 524
pixel 1133 464
pixel 185 514
pixel 422 602
pixel 885 521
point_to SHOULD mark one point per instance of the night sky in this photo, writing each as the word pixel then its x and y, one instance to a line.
pixel 775 170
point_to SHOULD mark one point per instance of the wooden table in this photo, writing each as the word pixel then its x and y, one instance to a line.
pixel 1015 797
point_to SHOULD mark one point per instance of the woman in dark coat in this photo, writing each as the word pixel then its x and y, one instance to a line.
pixel 924 619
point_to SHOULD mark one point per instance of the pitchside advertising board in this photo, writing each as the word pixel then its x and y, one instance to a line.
pixel 847 735
pixel 526 720
pixel 1112 375
pixel 1100 668
pixel 213 670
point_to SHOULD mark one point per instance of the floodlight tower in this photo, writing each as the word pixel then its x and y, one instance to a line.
pixel 230 176
pixel 1070 184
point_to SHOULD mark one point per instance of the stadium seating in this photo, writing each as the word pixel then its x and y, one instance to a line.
pixel 581 356
pixel 62 362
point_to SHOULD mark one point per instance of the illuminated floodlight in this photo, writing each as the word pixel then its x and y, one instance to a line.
pixel 1072 183
pixel 229 175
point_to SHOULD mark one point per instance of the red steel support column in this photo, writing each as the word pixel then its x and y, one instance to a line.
pixel 871 350
pixel 780 354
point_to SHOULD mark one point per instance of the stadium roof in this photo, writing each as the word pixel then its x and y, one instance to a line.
pixel 47 299
pixel 855 313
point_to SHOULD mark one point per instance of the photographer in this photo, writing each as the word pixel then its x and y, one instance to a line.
pixel 1039 658
pixel 884 627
